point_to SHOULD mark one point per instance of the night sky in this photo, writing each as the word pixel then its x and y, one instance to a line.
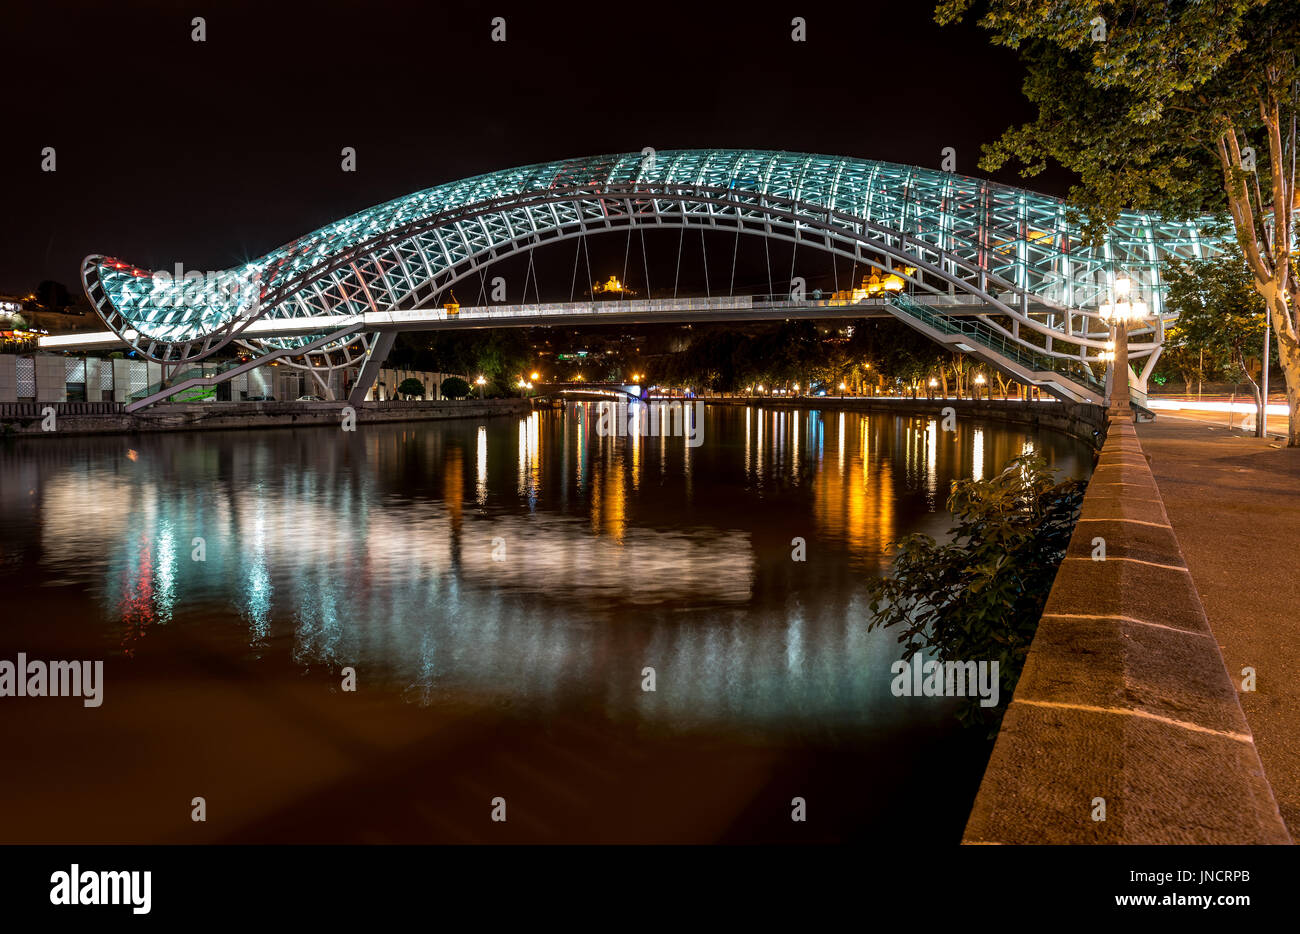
pixel 209 154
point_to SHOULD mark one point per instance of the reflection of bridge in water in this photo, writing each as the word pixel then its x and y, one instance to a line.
pixel 340 294
pixel 383 549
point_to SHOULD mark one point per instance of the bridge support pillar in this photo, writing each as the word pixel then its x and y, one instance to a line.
pixel 375 358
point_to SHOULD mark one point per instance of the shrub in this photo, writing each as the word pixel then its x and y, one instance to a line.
pixel 453 387
pixel 980 595
pixel 411 387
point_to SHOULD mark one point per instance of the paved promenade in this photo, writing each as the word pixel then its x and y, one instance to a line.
pixel 1234 503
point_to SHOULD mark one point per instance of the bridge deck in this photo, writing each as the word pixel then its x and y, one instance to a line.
pixel 646 311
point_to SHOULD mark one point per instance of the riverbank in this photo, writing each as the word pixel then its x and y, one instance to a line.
pixel 1082 421
pixel 1125 726
pixel 26 419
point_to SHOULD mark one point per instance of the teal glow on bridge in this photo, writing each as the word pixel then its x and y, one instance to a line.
pixel 1013 251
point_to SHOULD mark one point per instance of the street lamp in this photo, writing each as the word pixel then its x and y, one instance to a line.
pixel 1118 314
pixel 979 385
pixel 481 381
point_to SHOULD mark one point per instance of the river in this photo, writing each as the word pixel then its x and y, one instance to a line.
pixel 500 593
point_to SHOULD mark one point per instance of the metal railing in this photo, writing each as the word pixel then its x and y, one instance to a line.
pixel 37 409
pixel 990 338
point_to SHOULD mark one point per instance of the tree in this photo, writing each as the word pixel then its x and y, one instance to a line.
pixel 1182 358
pixel 411 387
pixel 1220 317
pixel 1180 107
pixel 453 387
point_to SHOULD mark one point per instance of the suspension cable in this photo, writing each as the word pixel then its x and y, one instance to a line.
pixel 794 251
pixel 645 257
pixel 767 252
pixel 586 250
pixel 537 291
pixel 734 250
pixel 627 250
pixel 705 251
pixel 680 240
pixel 573 284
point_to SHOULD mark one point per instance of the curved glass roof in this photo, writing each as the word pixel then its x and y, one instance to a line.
pixel 381 258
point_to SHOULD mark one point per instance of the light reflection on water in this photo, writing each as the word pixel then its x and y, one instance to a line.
pixel 526 558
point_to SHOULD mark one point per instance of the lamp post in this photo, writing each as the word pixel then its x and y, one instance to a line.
pixel 1118 314
pixel 979 385
pixel 481 381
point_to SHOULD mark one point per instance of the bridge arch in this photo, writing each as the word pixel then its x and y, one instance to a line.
pixel 1007 247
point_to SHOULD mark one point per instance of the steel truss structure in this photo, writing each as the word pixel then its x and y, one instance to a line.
pixel 1005 246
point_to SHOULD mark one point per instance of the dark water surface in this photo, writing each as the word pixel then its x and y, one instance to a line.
pixel 498 586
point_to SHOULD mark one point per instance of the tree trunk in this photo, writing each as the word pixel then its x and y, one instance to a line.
pixel 1254 388
pixel 1272 272
pixel 1288 354
pixel 1289 357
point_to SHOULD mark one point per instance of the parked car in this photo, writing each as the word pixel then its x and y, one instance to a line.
pixel 310 398
pixel 259 398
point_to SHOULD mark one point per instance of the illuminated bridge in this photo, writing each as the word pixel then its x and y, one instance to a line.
pixel 340 294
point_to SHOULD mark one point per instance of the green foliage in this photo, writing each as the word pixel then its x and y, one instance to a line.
pixel 1139 115
pixel 412 387
pixel 453 387
pixel 1221 316
pixel 979 595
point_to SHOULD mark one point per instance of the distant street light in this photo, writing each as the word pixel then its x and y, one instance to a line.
pixel 481 381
